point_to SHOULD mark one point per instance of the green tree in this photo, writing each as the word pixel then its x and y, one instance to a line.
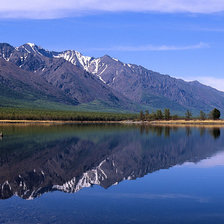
pixel 153 115
pixel 188 115
pixel 175 117
pixel 159 115
pixel 141 116
pixel 147 115
pixel 202 115
pixel 167 114
pixel 215 114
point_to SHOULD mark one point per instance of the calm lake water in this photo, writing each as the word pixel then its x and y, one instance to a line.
pixel 111 174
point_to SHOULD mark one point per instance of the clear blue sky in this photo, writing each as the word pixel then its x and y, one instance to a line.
pixel 182 44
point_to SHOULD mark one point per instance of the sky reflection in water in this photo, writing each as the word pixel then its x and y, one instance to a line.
pixel 111 174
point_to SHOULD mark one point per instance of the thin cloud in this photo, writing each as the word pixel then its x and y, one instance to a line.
pixel 221 30
pixel 153 48
pixel 205 29
pixel 47 9
pixel 217 83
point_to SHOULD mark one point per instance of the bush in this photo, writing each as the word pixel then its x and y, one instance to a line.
pixel 215 114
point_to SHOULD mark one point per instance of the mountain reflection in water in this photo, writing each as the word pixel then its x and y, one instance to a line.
pixel 37 160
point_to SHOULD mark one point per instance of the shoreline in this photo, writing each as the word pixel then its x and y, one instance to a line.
pixel 174 123
pixel 180 123
pixel 190 122
pixel 49 122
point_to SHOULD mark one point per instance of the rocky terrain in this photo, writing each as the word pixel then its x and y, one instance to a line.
pixel 84 79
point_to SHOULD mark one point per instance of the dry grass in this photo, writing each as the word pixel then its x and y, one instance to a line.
pixel 178 123
pixel 50 122
pixel 207 123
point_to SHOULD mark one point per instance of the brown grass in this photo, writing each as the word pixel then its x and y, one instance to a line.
pixel 179 123
pixel 200 123
pixel 50 122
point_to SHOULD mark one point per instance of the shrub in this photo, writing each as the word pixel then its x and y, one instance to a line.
pixel 215 114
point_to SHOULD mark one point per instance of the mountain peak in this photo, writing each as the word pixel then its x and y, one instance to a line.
pixel 5 45
pixel 30 48
pixel 31 44
pixel 132 82
pixel 107 56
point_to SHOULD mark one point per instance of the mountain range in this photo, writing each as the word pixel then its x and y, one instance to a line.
pixel 33 76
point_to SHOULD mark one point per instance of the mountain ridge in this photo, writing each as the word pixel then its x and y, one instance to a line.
pixel 109 80
pixel 74 82
pixel 22 85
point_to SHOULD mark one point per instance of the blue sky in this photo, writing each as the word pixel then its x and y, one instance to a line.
pixel 181 38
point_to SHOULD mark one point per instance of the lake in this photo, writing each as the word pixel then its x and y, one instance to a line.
pixel 109 173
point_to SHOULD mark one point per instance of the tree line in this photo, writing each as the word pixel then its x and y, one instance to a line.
pixel 25 114
pixel 165 131
pixel 166 115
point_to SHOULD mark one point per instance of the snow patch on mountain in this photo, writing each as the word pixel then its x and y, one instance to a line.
pixel 89 64
pixel 35 49
pixel 31 44
pixel 75 57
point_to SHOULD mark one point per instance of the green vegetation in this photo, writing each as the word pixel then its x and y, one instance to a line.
pixel 158 115
pixel 166 115
pixel 188 115
pixel 142 116
pixel 215 114
pixel 64 115
pixel 25 114
pixel 44 104
pixel 202 115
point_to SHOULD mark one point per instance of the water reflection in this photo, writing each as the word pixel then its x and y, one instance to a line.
pixel 215 132
pixel 165 130
pixel 36 160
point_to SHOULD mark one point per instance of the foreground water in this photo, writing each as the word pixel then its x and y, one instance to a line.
pixel 111 174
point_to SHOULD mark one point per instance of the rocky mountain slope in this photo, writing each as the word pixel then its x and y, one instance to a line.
pixel 108 80
pixel 74 82
pixel 148 87
pixel 23 86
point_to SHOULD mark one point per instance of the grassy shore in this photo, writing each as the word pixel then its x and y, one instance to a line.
pixel 197 122
pixel 180 123
pixel 47 117
pixel 177 123
pixel 50 122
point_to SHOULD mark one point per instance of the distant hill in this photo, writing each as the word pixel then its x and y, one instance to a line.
pixel 106 82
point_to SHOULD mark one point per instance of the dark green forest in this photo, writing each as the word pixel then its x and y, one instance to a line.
pixel 27 114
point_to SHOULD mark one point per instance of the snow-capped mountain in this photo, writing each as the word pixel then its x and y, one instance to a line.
pixel 108 80
pixel 73 81
pixel 96 66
